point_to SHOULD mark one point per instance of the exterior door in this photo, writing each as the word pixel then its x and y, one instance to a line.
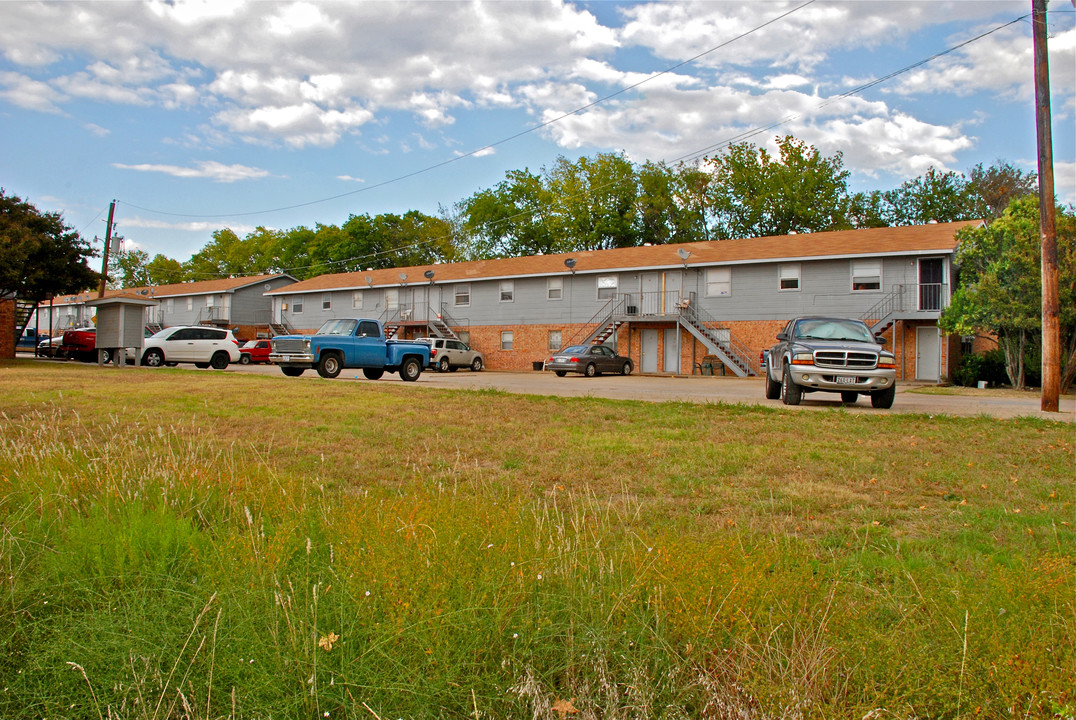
pixel 927 354
pixel 650 303
pixel 672 352
pixel 931 284
pixel 649 348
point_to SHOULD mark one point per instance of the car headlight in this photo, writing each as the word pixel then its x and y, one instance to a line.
pixel 803 359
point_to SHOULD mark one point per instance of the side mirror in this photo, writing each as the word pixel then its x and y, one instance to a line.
pixel 881 340
pixel 782 336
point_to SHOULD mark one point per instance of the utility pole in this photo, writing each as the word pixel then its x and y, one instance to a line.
pixel 1051 330
pixel 108 243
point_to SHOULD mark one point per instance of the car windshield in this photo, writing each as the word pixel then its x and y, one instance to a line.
pixel 338 327
pixel 833 330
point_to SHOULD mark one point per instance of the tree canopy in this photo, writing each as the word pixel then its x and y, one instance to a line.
pixel 40 256
pixel 1000 286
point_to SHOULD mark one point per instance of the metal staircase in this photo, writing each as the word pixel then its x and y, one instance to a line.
pixel 391 330
pixel 441 325
pixel 601 326
pixel 154 327
pixel 24 311
pixel 281 328
pixel 718 339
pixel 909 300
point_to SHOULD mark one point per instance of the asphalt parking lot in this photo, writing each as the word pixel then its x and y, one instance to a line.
pixel 699 389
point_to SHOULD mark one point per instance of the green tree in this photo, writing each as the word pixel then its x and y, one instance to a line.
pixel 130 269
pixel 163 270
pixel 40 256
pixel 933 196
pixel 995 187
pixel 594 202
pixel 671 206
pixel 754 194
pixel 1000 286
pixel 510 219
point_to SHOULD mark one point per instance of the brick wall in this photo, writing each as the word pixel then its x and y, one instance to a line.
pixel 7 329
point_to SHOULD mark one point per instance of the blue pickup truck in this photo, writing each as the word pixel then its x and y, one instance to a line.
pixel 349 344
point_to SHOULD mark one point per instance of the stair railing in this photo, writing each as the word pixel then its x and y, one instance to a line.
pixel 594 325
pixel 708 325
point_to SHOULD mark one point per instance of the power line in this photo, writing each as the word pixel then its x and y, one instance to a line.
pixel 497 143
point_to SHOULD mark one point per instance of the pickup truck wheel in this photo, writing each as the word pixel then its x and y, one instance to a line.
pixel 220 360
pixel 329 366
pixel 442 365
pixel 883 400
pixel 476 365
pixel 773 388
pixel 244 359
pixel 153 358
pixel 410 370
pixel 292 371
pixel 373 373
pixel 591 370
pixel 791 393
pixel 849 398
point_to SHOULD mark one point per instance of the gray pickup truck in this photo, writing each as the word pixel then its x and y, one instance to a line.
pixel 837 355
pixel 349 343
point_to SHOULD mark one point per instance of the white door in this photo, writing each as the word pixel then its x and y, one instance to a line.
pixel 927 354
pixel 649 348
pixel 651 300
pixel 672 352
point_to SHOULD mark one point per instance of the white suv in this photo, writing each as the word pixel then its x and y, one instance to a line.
pixel 203 346
pixel 451 355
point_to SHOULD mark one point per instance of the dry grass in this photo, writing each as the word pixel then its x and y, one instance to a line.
pixel 186 544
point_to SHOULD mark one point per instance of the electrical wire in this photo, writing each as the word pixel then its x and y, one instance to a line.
pixel 497 143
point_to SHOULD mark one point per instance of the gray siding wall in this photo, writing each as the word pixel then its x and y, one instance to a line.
pixel 825 287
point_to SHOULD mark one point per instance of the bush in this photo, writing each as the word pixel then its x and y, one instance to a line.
pixel 988 366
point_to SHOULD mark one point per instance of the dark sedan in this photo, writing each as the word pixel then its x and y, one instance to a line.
pixel 590 360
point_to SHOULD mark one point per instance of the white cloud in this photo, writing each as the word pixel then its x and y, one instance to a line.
pixel 25 92
pixel 198 226
pixel 218 172
pixel 348 178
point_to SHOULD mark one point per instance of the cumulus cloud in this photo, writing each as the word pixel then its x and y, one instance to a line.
pixel 215 171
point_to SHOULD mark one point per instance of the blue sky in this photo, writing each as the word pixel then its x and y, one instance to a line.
pixel 196 116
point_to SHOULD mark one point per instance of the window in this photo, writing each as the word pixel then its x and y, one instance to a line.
pixel 209 301
pixel 508 290
pixel 719 282
pixel 297 305
pixel 607 285
pixel 554 340
pixel 170 305
pixel 392 298
pixel 866 275
pixel 463 295
pixel 356 299
pixel 465 337
pixel 789 274
pixel 506 340
pixel 554 288
pixel 190 304
pixel 368 328
pixel 327 301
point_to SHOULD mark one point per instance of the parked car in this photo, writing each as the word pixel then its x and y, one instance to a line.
pixel 589 360
pixel 346 343
pixel 80 344
pixel 255 351
pixel 837 355
pixel 447 354
pixel 198 344
pixel 48 346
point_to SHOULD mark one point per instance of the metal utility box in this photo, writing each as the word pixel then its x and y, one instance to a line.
pixel 121 325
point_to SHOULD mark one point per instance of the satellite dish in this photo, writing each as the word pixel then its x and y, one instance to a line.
pixel 569 263
pixel 684 254
pixel 429 274
pixel 403 276
pixel 369 280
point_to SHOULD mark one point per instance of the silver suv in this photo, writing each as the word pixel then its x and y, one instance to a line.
pixel 446 354
pixel 837 355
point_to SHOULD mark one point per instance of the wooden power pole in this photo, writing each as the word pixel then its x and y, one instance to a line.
pixel 108 243
pixel 1051 330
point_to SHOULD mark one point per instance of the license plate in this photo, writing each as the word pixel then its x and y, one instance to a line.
pixel 287 358
pixel 846 380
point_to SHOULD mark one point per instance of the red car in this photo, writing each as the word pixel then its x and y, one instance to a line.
pixel 80 344
pixel 254 351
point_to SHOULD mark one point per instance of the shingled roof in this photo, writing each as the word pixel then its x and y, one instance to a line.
pixel 874 242
pixel 201 287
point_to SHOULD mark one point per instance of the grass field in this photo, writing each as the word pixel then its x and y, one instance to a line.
pixel 192 544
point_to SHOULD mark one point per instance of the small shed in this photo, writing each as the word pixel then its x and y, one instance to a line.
pixel 121 325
